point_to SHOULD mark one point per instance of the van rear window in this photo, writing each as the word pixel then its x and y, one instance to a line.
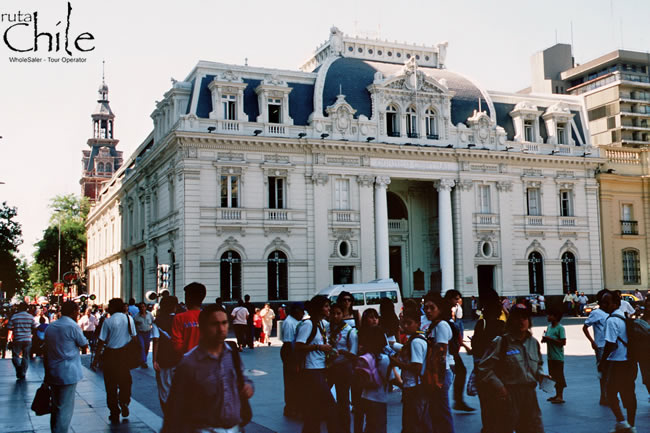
pixel 373 298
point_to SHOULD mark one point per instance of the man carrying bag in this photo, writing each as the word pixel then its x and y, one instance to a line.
pixel 116 335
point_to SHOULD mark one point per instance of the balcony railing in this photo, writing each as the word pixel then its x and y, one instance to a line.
pixel 394 134
pixel 486 219
pixel 629 227
pixel 534 220
pixel 398 225
pixel 277 215
pixel 413 135
pixel 432 136
pixel 275 129
pixel 231 214
pixel 230 125
pixel 567 221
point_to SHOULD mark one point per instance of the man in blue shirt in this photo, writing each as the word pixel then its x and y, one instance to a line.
pixel 63 338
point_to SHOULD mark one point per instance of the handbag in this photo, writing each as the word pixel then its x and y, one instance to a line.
pixel 246 412
pixel 42 404
pixel 132 350
pixel 472 390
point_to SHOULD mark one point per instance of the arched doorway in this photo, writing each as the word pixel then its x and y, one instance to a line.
pixel 278 284
pixel 397 221
pixel 230 276
pixel 569 273
pixel 536 273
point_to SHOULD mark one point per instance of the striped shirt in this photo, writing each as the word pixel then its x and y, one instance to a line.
pixel 22 324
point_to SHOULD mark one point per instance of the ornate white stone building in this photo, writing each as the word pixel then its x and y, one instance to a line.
pixel 372 161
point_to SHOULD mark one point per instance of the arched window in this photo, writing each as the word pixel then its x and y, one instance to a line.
pixel 100 167
pixel 230 276
pixel 569 273
pixel 536 273
pixel 631 267
pixel 108 167
pixel 278 284
pixel 392 121
pixel 411 122
pixel 431 124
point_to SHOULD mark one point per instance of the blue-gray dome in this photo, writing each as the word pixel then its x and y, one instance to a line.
pixel 353 76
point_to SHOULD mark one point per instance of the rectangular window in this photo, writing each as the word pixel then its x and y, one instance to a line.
pixel 626 212
pixel 229 107
pixel 484 198
pixel 229 191
pixel 533 197
pixel 342 194
pixel 561 131
pixel 412 125
pixel 529 131
pixel 374 298
pixel 392 125
pixel 275 110
pixel 566 206
pixel 276 193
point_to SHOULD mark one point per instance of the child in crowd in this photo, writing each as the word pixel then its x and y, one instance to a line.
pixel 555 339
pixel 257 324
pixel 411 360
pixel 374 399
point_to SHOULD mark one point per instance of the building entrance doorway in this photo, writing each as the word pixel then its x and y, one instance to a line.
pixel 395 264
pixel 485 279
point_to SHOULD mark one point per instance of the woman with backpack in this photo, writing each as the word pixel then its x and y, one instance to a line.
pixel 509 372
pixel 343 338
pixel 438 335
pixel 372 372
pixel 311 346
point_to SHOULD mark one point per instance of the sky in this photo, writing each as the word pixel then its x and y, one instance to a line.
pixel 45 107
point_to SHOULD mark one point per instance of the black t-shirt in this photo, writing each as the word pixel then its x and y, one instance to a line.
pixel 167 356
pixel 484 332
pixel 251 311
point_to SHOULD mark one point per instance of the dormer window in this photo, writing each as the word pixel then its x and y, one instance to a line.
pixel 558 124
pixel 411 123
pixel 392 121
pixel 529 131
pixel 100 167
pixel 229 103
pixel 431 124
pixel 275 110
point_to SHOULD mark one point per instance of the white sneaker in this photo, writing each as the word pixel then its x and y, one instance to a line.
pixel 632 430
pixel 622 426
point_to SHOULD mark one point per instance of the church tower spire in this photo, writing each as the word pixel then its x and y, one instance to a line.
pixel 103 159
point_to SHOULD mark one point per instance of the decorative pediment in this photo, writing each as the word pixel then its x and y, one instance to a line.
pixel 229 76
pixel 559 108
pixel 342 114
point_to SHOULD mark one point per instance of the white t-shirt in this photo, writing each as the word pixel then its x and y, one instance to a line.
pixel 379 394
pixel 115 332
pixel 347 339
pixel 314 359
pixel 289 329
pixel 615 329
pixel 442 334
pixel 240 315
pixel 458 311
pixel 626 307
pixel 418 355
pixel 597 319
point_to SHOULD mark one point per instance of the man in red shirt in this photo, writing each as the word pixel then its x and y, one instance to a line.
pixel 185 328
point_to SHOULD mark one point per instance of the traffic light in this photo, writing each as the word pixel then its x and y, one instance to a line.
pixel 163 278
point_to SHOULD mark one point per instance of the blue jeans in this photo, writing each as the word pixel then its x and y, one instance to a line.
pixel 144 338
pixel 62 407
pixel 21 365
pixel 439 410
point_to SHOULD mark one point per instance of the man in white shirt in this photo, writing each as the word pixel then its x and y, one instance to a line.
pixel 88 323
pixel 117 331
pixel 289 370
pixel 621 372
pixel 240 323
pixel 597 320
pixel 582 302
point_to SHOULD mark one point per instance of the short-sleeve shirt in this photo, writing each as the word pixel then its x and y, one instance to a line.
pixel 315 359
pixel 418 351
pixel 240 316
pixel 115 332
pixel 597 319
pixel 347 339
pixel 615 330
pixel 21 324
pixel 289 329
pixel 143 323
pixel 582 299
pixel 63 338
pixel 442 334
pixel 555 352
pixel 626 307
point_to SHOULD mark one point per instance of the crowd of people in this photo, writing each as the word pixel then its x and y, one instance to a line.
pixel 348 363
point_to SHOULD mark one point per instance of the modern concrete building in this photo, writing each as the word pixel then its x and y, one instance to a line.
pixel 372 161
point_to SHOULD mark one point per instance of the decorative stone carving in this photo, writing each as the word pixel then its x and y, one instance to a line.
pixel 505 186
pixel 382 181
pixel 465 185
pixel 336 41
pixel 319 179
pixel 342 114
pixel 444 184
pixel 365 180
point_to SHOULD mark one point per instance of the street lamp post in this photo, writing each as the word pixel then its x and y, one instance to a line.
pixel 59 254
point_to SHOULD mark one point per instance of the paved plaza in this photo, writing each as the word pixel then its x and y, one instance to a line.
pixel 581 413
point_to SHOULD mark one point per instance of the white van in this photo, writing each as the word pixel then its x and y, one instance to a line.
pixel 367 295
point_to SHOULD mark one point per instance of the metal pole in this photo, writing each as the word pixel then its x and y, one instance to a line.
pixel 59 255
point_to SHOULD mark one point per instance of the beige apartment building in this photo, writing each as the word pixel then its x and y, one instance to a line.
pixel 616 91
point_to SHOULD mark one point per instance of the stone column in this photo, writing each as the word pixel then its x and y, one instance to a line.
pixel 446 232
pixel 367 231
pixel 381 226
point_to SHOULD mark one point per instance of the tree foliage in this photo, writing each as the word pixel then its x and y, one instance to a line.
pixel 12 269
pixel 69 214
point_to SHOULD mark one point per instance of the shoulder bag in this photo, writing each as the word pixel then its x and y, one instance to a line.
pixel 246 412
pixel 132 349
